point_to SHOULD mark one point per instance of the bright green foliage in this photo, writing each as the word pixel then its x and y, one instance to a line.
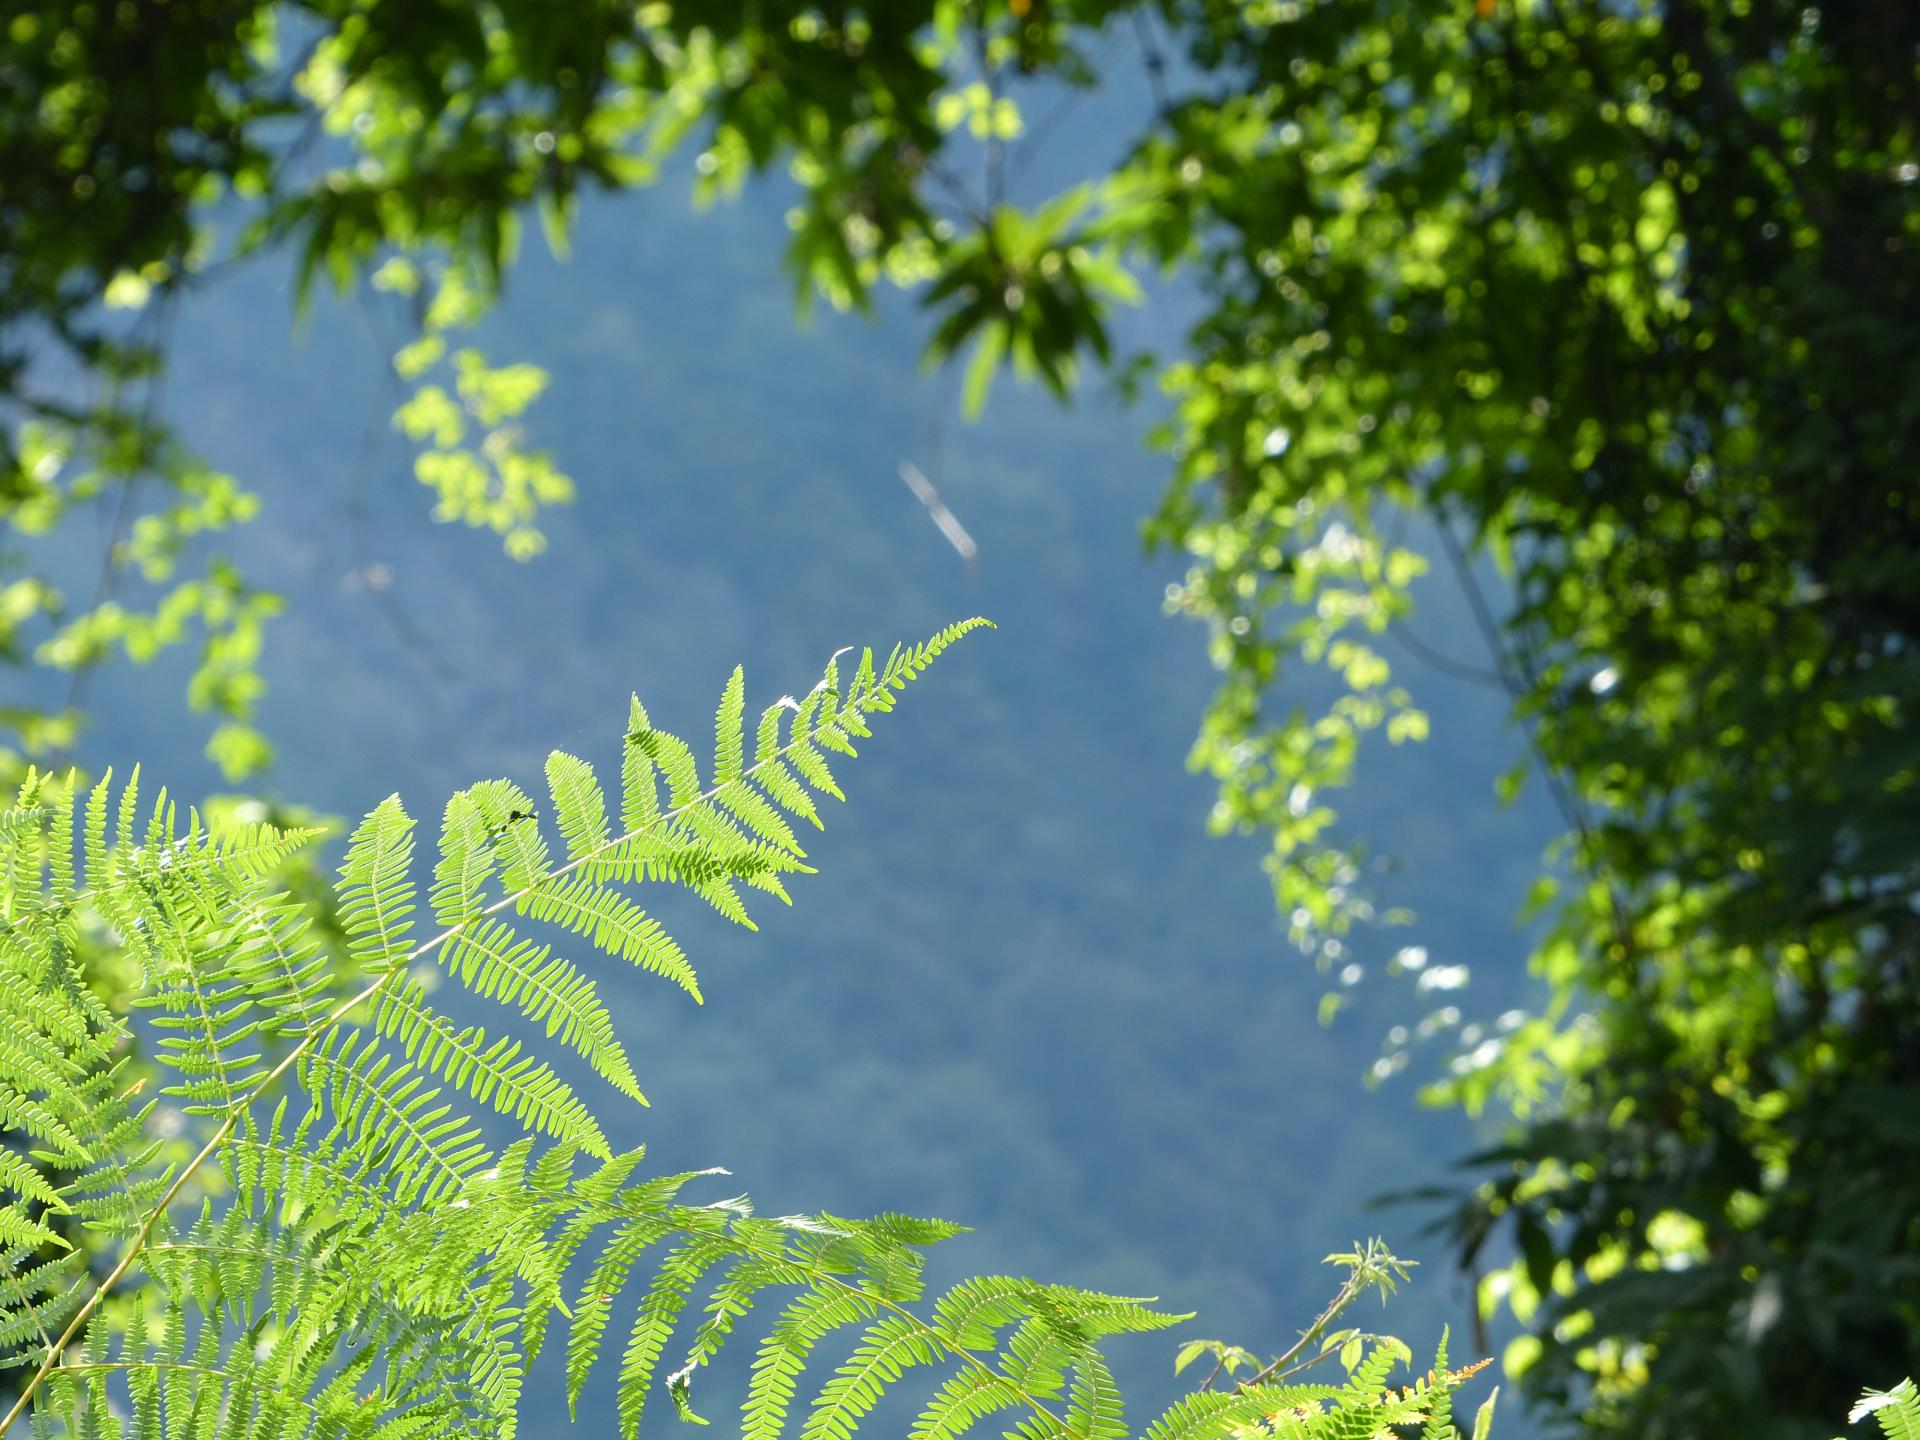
pixel 371 1262
pixel 350 1253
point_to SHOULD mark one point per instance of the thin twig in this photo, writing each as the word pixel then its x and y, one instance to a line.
pixel 1342 1298
pixel 995 169
pixel 1445 664
pixel 1520 678
pixel 1042 129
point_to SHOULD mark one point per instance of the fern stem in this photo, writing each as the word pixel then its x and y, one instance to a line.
pixel 239 1107
pixel 1349 1290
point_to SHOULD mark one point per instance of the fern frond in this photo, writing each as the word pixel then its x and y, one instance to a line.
pixel 466 863
pixel 1439 1389
pixel 513 829
pixel 972 1314
pixel 783 1355
pixel 595 1306
pixel 962 1402
pixel 373 1266
pixel 615 924
pixel 376 897
pixel 1211 1413
pixel 386 1114
pixel 660 1308
pixel 729 730
pixel 1369 1377
pixel 579 805
pixel 772 773
pixel 1096 1411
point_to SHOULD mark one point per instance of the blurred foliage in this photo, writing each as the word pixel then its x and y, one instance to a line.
pixel 1607 305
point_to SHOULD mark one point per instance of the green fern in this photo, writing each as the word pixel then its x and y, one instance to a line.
pixel 367 1261
pixel 347 1252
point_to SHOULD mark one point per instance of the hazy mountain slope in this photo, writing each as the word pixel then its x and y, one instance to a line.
pixel 1026 992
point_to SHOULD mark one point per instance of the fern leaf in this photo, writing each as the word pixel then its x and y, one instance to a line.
pixel 376 898
pixel 734 1297
pixel 639 783
pixel 492 961
pixel 1211 1413
pixel 373 1268
pixel 578 804
pixel 890 1346
pixel 973 1312
pixel 61 886
pixel 729 743
pixel 388 1116
pixel 27 1181
pixel 963 1401
pixel 783 1355
pixel 772 774
pixel 498 1074
pixel 666 1297
pixel 1096 1411
pixel 1369 1377
pixel 1036 1358
pixel 1439 1423
pixel 25 1115
pixel 513 827
pixel 595 1306
pixel 811 764
pixel 615 924
pixel 1895 1411
pixel 466 863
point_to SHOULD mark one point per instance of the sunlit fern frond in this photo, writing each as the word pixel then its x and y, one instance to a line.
pixel 389 1208
pixel 392 1211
